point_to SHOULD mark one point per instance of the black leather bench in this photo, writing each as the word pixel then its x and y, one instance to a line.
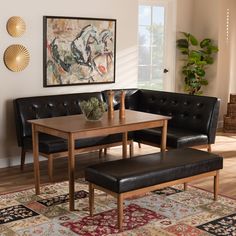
pixel 128 177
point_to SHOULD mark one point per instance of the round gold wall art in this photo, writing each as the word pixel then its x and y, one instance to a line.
pixel 16 26
pixel 16 57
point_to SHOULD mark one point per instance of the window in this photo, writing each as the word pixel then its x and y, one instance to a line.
pixel 152 43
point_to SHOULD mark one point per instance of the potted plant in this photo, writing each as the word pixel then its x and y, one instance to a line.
pixel 197 56
pixel 93 109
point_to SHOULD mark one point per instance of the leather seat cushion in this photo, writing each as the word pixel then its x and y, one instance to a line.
pixel 176 138
pixel 152 169
pixel 51 144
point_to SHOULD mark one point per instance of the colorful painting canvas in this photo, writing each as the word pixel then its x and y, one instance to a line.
pixel 78 51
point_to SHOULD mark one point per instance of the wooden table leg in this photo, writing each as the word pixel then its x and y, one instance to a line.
pixel 216 185
pixel 91 199
pixel 164 136
pixel 35 140
pixel 124 144
pixel 71 169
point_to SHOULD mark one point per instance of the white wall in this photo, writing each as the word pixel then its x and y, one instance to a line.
pixel 210 21
pixel 30 81
pixel 207 19
pixel 184 23
pixel 199 17
pixel 232 44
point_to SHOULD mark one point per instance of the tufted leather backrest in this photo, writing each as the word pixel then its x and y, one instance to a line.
pixel 47 106
pixel 196 113
pixel 189 112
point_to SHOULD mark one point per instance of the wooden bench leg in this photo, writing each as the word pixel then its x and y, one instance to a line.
pixel 50 168
pixel 185 186
pixel 22 161
pixel 100 153
pixel 209 147
pixel 216 185
pixel 131 148
pixel 120 211
pixel 91 199
pixel 105 151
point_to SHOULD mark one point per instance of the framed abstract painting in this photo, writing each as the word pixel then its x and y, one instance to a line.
pixel 78 51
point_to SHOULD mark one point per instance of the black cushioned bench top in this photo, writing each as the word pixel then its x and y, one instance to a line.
pixel 142 171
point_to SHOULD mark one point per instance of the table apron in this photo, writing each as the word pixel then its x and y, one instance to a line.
pixel 119 129
pixel 47 130
pixel 99 132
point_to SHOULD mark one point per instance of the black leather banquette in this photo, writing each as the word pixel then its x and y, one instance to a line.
pixel 29 108
pixel 194 118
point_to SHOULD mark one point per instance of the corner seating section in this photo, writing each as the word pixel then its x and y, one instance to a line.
pixel 129 177
pixel 193 123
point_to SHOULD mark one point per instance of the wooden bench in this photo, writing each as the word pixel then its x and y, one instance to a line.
pixel 138 175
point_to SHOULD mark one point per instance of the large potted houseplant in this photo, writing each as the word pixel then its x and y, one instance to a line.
pixel 197 57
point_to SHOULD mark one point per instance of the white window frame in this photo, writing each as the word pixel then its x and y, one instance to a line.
pixel 170 34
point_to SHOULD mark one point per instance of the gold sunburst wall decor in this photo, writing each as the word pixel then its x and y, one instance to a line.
pixel 16 26
pixel 16 57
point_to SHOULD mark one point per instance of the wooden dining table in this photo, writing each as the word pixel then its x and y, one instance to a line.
pixel 76 127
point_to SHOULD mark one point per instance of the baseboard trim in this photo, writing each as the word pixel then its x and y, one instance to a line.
pixel 15 160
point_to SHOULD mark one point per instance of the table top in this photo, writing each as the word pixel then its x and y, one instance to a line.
pixel 78 123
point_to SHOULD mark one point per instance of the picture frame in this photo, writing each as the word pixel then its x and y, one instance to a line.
pixel 78 51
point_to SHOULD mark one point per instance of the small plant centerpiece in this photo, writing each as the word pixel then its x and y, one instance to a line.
pixel 197 56
pixel 93 109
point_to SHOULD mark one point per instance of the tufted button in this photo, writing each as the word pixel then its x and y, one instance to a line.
pixel 198 116
pixel 186 103
pixel 50 105
pixel 174 102
pixel 65 104
pixel 35 107
pixel 199 105
pixel 153 98
pixel 162 100
pixel 184 115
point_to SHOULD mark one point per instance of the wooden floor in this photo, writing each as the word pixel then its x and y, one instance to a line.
pixel 12 179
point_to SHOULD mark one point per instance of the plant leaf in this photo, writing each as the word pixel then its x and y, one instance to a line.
pixel 195 55
pixel 205 43
pixel 200 72
pixel 209 60
pixel 182 43
pixel 204 82
pixel 214 49
pixel 193 40
pixel 185 34
pixel 184 51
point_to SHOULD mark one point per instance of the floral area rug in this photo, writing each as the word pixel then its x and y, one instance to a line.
pixel 166 212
